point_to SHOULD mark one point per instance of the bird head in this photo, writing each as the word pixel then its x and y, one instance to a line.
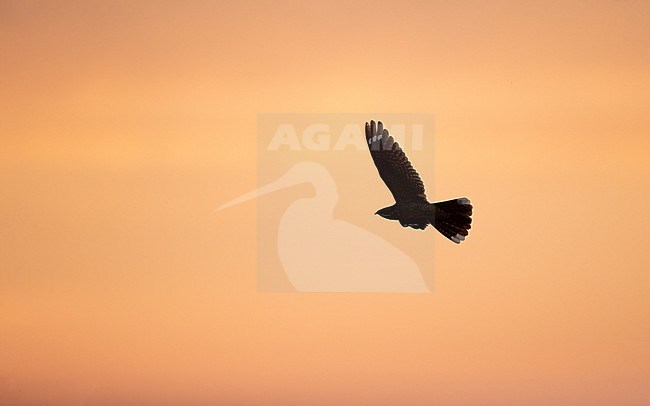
pixel 386 212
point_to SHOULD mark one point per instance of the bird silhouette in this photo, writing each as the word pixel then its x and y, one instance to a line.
pixel 412 209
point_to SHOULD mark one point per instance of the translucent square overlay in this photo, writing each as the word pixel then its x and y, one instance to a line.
pixel 317 194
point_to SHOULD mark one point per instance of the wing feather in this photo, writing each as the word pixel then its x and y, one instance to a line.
pixel 394 168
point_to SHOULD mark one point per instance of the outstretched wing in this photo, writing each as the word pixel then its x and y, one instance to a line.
pixel 394 167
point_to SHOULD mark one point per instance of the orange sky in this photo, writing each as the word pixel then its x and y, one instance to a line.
pixel 124 125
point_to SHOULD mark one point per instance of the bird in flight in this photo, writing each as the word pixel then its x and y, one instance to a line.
pixel 412 209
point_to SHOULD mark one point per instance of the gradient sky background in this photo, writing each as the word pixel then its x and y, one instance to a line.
pixel 124 125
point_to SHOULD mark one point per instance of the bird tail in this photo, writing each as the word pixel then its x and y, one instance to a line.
pixel 452 218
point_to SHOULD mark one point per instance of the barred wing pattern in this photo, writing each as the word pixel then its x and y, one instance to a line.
pixel 394 167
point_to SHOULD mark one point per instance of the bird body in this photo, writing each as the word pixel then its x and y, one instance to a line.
pixel 412 209
pixel 409 214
